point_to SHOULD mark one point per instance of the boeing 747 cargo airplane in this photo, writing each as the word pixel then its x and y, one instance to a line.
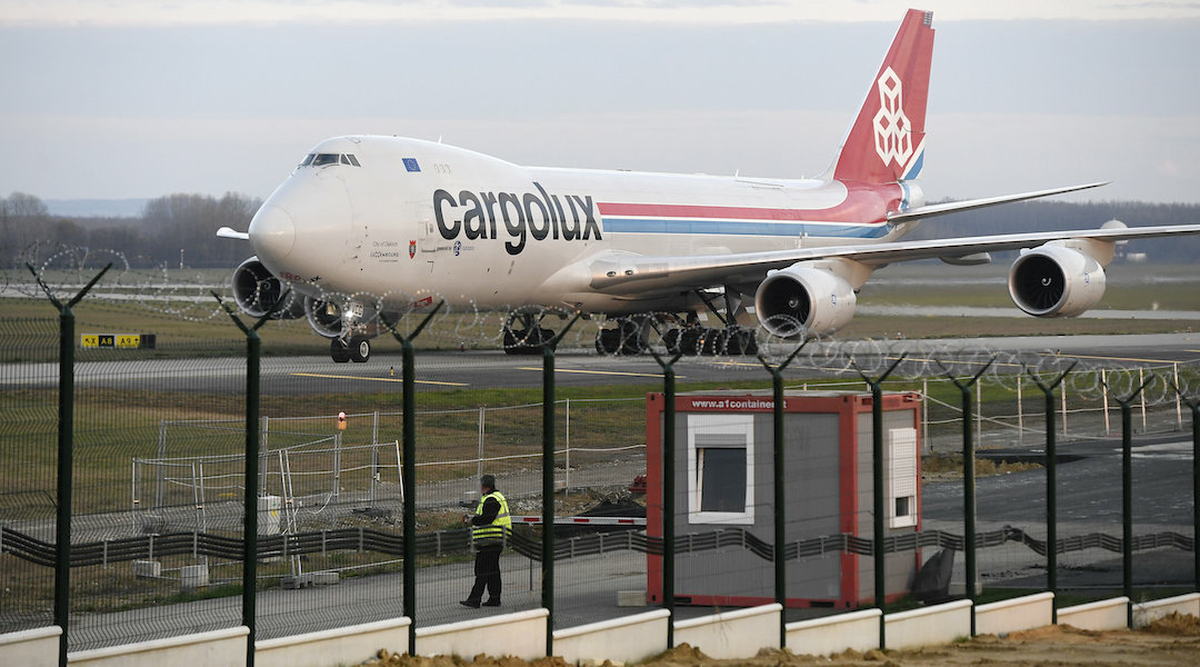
pixel 370 225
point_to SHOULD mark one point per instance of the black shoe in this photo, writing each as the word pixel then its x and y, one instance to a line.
pixel 492 603
pixel 473 604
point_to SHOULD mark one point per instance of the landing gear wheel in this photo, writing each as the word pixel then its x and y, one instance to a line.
pixel 526 341
pixel 608 341
pixel 740 341
pixel 360 349
pixel 339 351
pixel 633 335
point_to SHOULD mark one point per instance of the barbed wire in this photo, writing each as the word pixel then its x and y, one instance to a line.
pixel 523 328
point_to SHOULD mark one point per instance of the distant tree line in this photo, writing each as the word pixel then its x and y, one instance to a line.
pixel 1047 215
pixel 169 224
pixel 189 222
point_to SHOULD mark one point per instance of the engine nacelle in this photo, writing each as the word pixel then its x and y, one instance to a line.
pixel 255 290
pixel 799 298
pixel 1055 281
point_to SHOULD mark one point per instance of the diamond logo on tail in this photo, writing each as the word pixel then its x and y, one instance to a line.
pixel 893 134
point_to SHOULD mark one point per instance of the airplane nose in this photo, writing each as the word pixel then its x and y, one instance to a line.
pixel 272 233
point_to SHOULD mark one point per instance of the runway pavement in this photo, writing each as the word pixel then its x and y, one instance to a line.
pixel 441 370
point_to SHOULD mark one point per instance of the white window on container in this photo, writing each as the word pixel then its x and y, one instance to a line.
pixel 902 477
pixel 720 468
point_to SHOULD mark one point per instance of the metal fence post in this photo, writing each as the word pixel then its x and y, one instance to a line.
pixel 1127 495
pixel 777 465
pixel 1051 488
pixel 409 471
pixel 968 449
pixel 668 491
pixel 66 455
pixel 878 508
pixel 250 494
pixel 548 481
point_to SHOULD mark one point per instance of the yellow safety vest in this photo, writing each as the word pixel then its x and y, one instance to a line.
pixel 497 531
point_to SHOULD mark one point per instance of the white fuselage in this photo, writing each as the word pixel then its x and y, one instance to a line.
pixel 404 220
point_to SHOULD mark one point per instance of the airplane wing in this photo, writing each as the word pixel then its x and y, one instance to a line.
pixel 637 274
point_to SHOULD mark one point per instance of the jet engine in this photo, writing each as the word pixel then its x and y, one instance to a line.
pixel 255 290
pixel 801 298
pixel 1055 281
pixel 325 317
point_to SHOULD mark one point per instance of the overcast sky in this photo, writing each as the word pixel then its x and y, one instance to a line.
pixel 137 98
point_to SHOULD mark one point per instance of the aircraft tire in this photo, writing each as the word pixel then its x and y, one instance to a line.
pixel 608 341
pixel 690 340
pixel 631 337
pixel 339 351
pixel 360 349
pixel 671 340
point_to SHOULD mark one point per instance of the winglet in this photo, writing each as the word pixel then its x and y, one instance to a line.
pixel 231 233
pixel 886 143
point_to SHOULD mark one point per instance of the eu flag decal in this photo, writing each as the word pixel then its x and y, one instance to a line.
pixel 410 163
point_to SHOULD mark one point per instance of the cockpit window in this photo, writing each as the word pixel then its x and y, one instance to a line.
pixel 323 159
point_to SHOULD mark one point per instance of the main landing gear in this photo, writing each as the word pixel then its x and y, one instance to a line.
pixel 356 349
pixel 632 335
pixel 530 336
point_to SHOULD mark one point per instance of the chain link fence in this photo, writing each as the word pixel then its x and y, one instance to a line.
pixel 159 486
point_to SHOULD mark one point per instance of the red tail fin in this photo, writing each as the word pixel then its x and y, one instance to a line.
pixel 886 143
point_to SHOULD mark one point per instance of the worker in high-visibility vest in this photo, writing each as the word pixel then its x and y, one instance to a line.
pixel 490 528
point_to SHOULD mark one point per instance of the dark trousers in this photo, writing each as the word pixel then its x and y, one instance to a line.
pixel 487 573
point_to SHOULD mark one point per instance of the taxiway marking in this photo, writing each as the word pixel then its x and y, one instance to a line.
pixel 371 379
pixel 580 371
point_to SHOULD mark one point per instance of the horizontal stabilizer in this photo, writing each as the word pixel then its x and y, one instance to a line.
pixel 971 204
pixel 231 233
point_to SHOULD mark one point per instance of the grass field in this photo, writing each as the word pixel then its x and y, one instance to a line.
pixel 113 426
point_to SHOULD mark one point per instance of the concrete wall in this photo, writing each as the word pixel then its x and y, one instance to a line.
pixel 522 635
pixel 31 648
pixel 629 639
pixel 1145 613
pixel 729 635
pixel 857 630
pixel 1023 613
pixel 1102 615
pixel 733 634
pixel 220 647
pixel 350 645
pixel 940 624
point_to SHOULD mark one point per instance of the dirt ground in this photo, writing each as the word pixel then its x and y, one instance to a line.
pixel 1173 640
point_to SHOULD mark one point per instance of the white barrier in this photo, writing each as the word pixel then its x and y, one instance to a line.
pixel 1023 613
pixel 733 634
pixel 1145 613
pixel 940 624
pixel 629 639
pixel 352 644
pixel 728 635
pixel 35 648
pixel 521 635
pixel 219 647
pixel 1103 615
pixel 858 630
